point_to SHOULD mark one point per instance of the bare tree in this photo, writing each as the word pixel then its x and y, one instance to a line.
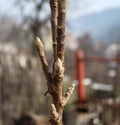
pixel 34 17
pixel 55 77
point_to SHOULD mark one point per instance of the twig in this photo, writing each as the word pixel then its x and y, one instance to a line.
pixel 54 114
pixel 61 28
pixel 54 14
pixel 41 52
pixel 67 95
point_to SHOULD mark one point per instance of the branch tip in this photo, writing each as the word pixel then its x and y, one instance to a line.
pixel 54 113
pixel 38 42
pixel 59 69
pixel 67 95
pixel 69 91
pixel 41 52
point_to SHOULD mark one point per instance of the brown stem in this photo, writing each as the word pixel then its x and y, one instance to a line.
pixel 55 79
pixel 61 28
pixel 41 52
pixel 54 14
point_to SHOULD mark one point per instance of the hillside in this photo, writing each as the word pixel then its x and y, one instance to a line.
pixel 103 26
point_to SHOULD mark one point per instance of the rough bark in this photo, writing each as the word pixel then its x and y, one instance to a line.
pixel 55 78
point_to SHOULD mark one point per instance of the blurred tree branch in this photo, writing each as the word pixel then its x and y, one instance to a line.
pixel 33 17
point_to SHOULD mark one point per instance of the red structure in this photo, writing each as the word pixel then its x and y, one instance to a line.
pixel 101 59
pixel 81 59
pixel 81 76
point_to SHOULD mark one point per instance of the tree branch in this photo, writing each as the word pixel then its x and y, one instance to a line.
pixel 40 4
pixel 61 28
pixel 54 114
pixel 54 14
pixel 55 79
pixel 67 95
pixel 41 52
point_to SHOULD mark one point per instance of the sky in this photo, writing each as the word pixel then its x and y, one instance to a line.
pixel 75 7
pixel 76 10
pixel 85 7
pixel 8 7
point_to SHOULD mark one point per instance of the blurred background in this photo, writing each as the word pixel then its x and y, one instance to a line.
pixel 93 27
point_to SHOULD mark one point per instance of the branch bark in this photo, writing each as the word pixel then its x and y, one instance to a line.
pixel 54 14
pixel 55 78
pixel 61 28
pixel 41 53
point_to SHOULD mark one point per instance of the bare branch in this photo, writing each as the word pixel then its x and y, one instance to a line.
pixel 41 52
pixel 68 94
pixel 61 28
pixel 54 14
pixel 40 4
pixel 54 114
pixel 55 79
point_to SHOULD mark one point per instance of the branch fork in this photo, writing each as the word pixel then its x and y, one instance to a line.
pixel 55 78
